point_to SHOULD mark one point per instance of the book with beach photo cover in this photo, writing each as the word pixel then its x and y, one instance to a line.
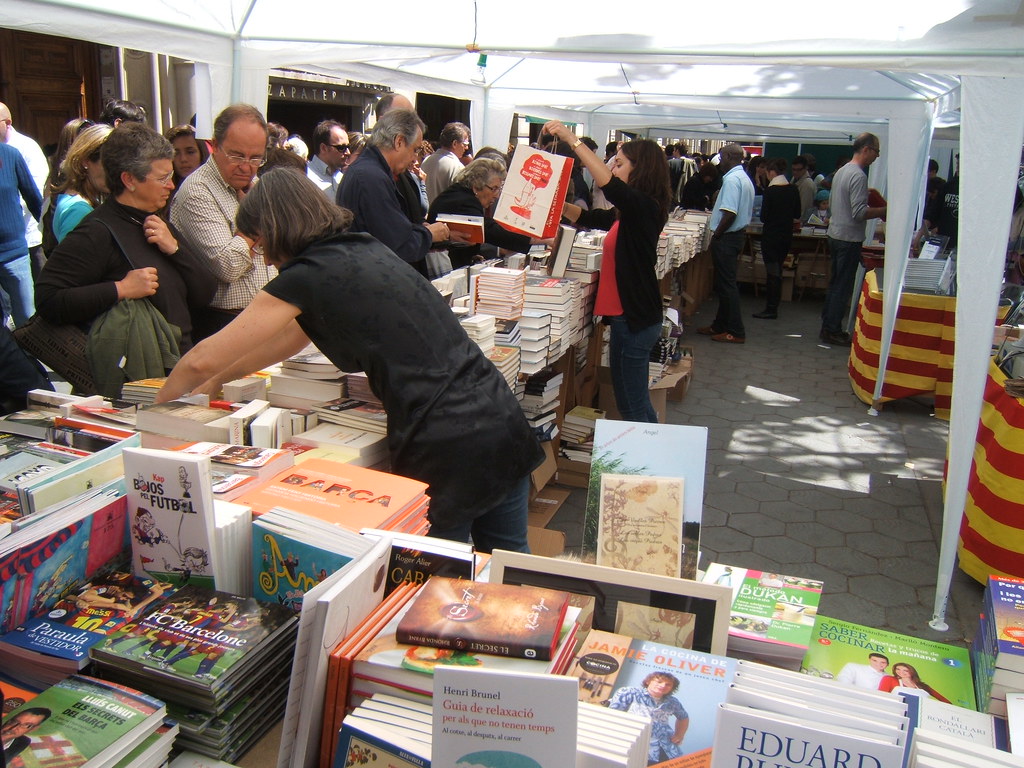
pixel 853 654
pixel 772 615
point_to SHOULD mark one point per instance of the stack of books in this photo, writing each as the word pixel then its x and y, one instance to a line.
pixel 506 332
pixel 562 299
pixel 540 401
pixel 587 280
pixel 235 469
pixel 206 651
pixel 85 722
pixel 363 448
pixel 345 495
pixel 499 292
pixel 359 388
pixel 305 379
pixel 358 414
pixel 997 651
pixel 578 431
pixel 773 615
pixel 143 391
pixel 584 255
pixel 506 360
pixel 481 329
pixel 535 339
pixel 184 422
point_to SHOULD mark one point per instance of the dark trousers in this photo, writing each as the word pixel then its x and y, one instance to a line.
pixel 773 251
pixel 845 260
pixel 725 252
pixel 209 320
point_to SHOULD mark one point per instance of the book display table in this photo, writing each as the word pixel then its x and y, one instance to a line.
pixel 992 531
pixel 921 355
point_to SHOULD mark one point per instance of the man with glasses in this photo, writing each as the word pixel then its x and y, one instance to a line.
pixel 846 229
pixel 204 212
pixel 446 163
pixel 325 168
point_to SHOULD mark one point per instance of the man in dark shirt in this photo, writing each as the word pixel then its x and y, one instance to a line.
pixel 780 206
pixel 370 191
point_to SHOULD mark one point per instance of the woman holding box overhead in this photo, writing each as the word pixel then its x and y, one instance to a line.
pixel 453 422
pixel 628 295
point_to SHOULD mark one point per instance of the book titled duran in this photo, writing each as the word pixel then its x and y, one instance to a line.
pixel 677 689
pixel 853 654
pixel 650 450
pixel 485 718
pixel 90 723
pixel 170 508
pixel 194 643
pixel 772 615
pixel 479 617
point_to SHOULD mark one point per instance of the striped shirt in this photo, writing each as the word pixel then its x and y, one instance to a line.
pixel 204 212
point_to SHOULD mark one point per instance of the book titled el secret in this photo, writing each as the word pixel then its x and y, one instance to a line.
pixel 479 617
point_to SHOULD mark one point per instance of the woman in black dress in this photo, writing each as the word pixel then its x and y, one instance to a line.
pixel 453 422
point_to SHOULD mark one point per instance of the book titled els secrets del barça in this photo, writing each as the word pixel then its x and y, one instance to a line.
pixel 479 617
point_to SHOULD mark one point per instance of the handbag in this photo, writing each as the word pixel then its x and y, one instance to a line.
pixel 59 347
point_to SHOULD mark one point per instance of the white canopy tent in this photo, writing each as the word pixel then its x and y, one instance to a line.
pixel 750 69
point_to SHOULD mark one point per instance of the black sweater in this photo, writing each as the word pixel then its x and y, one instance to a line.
pixel 640 226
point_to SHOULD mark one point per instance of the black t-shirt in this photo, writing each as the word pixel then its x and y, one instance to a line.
pixel 453 422
pixel 949 214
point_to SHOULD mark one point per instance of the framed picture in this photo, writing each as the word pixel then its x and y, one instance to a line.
pixel 614 590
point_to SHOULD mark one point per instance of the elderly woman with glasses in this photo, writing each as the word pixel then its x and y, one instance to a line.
pixel 474 192
pixel 123 249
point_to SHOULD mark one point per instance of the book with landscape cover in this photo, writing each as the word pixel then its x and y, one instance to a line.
pixel 840 650
pixel 772 615
pixel 170 506
pixel 479 617
pixel 681 695
pixel 342 494
pixel 195 639
pixel 89 720
pixel 652 450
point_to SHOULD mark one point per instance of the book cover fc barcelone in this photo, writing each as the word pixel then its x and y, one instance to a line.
pixel 479 617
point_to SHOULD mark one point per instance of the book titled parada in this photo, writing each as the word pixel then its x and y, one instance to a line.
pixel 479 617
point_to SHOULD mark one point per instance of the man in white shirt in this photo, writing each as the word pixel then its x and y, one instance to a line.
pixel 324 169
pixel 39 170
pixel 865 675
pixel 204 212
pixel 445 164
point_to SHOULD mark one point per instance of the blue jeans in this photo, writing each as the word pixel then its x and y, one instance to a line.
pixel 845 260
pixel 502 526
pixel 725 253
pixel 628 357
pixel 16 282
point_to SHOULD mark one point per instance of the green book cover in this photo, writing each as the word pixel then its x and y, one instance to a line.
pixel 78 720
pixel 875 659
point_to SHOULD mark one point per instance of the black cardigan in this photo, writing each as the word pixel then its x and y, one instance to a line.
pixel 76 284
pixel 640 224
pixel 460 199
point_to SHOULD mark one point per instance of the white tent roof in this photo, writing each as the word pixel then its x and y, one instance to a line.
pixel 897 68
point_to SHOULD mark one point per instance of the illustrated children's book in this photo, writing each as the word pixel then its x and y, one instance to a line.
pixel 479 617
pixel 873 658
pixel 653 451
pixel 170 508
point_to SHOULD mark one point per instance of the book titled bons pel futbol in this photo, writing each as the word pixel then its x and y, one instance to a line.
pixel 479 617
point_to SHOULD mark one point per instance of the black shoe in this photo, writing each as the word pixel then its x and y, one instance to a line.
pixel 841 339
pixel 767 314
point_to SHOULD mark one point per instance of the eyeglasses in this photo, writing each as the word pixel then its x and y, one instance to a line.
pixel 494 187
pixel 343 148
pixel 253 162
pixel 257 250
pixel 163 181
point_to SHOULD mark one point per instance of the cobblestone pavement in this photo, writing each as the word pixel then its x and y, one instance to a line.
pixel 801 480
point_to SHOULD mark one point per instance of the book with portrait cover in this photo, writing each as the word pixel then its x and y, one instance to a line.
pixel 479 617
pixel 854 654
pixel 650 450
pixel 678 689
pixel 82 720
pixel 340 494
pixel 198 640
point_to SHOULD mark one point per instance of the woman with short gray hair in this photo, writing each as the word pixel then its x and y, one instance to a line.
pixel 475 190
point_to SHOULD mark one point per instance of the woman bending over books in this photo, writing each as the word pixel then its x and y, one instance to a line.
pixel 453 422
pixel 628 295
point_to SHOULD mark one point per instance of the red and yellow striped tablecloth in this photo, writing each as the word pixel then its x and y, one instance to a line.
pixel 992 531
pixel 921 355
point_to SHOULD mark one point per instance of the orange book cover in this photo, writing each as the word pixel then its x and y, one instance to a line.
pixel 340 494
pixel 339 667
pixel 480 617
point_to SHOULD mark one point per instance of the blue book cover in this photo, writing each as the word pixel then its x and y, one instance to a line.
pixel 285 568
pixel 652 450
pixel 370 745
